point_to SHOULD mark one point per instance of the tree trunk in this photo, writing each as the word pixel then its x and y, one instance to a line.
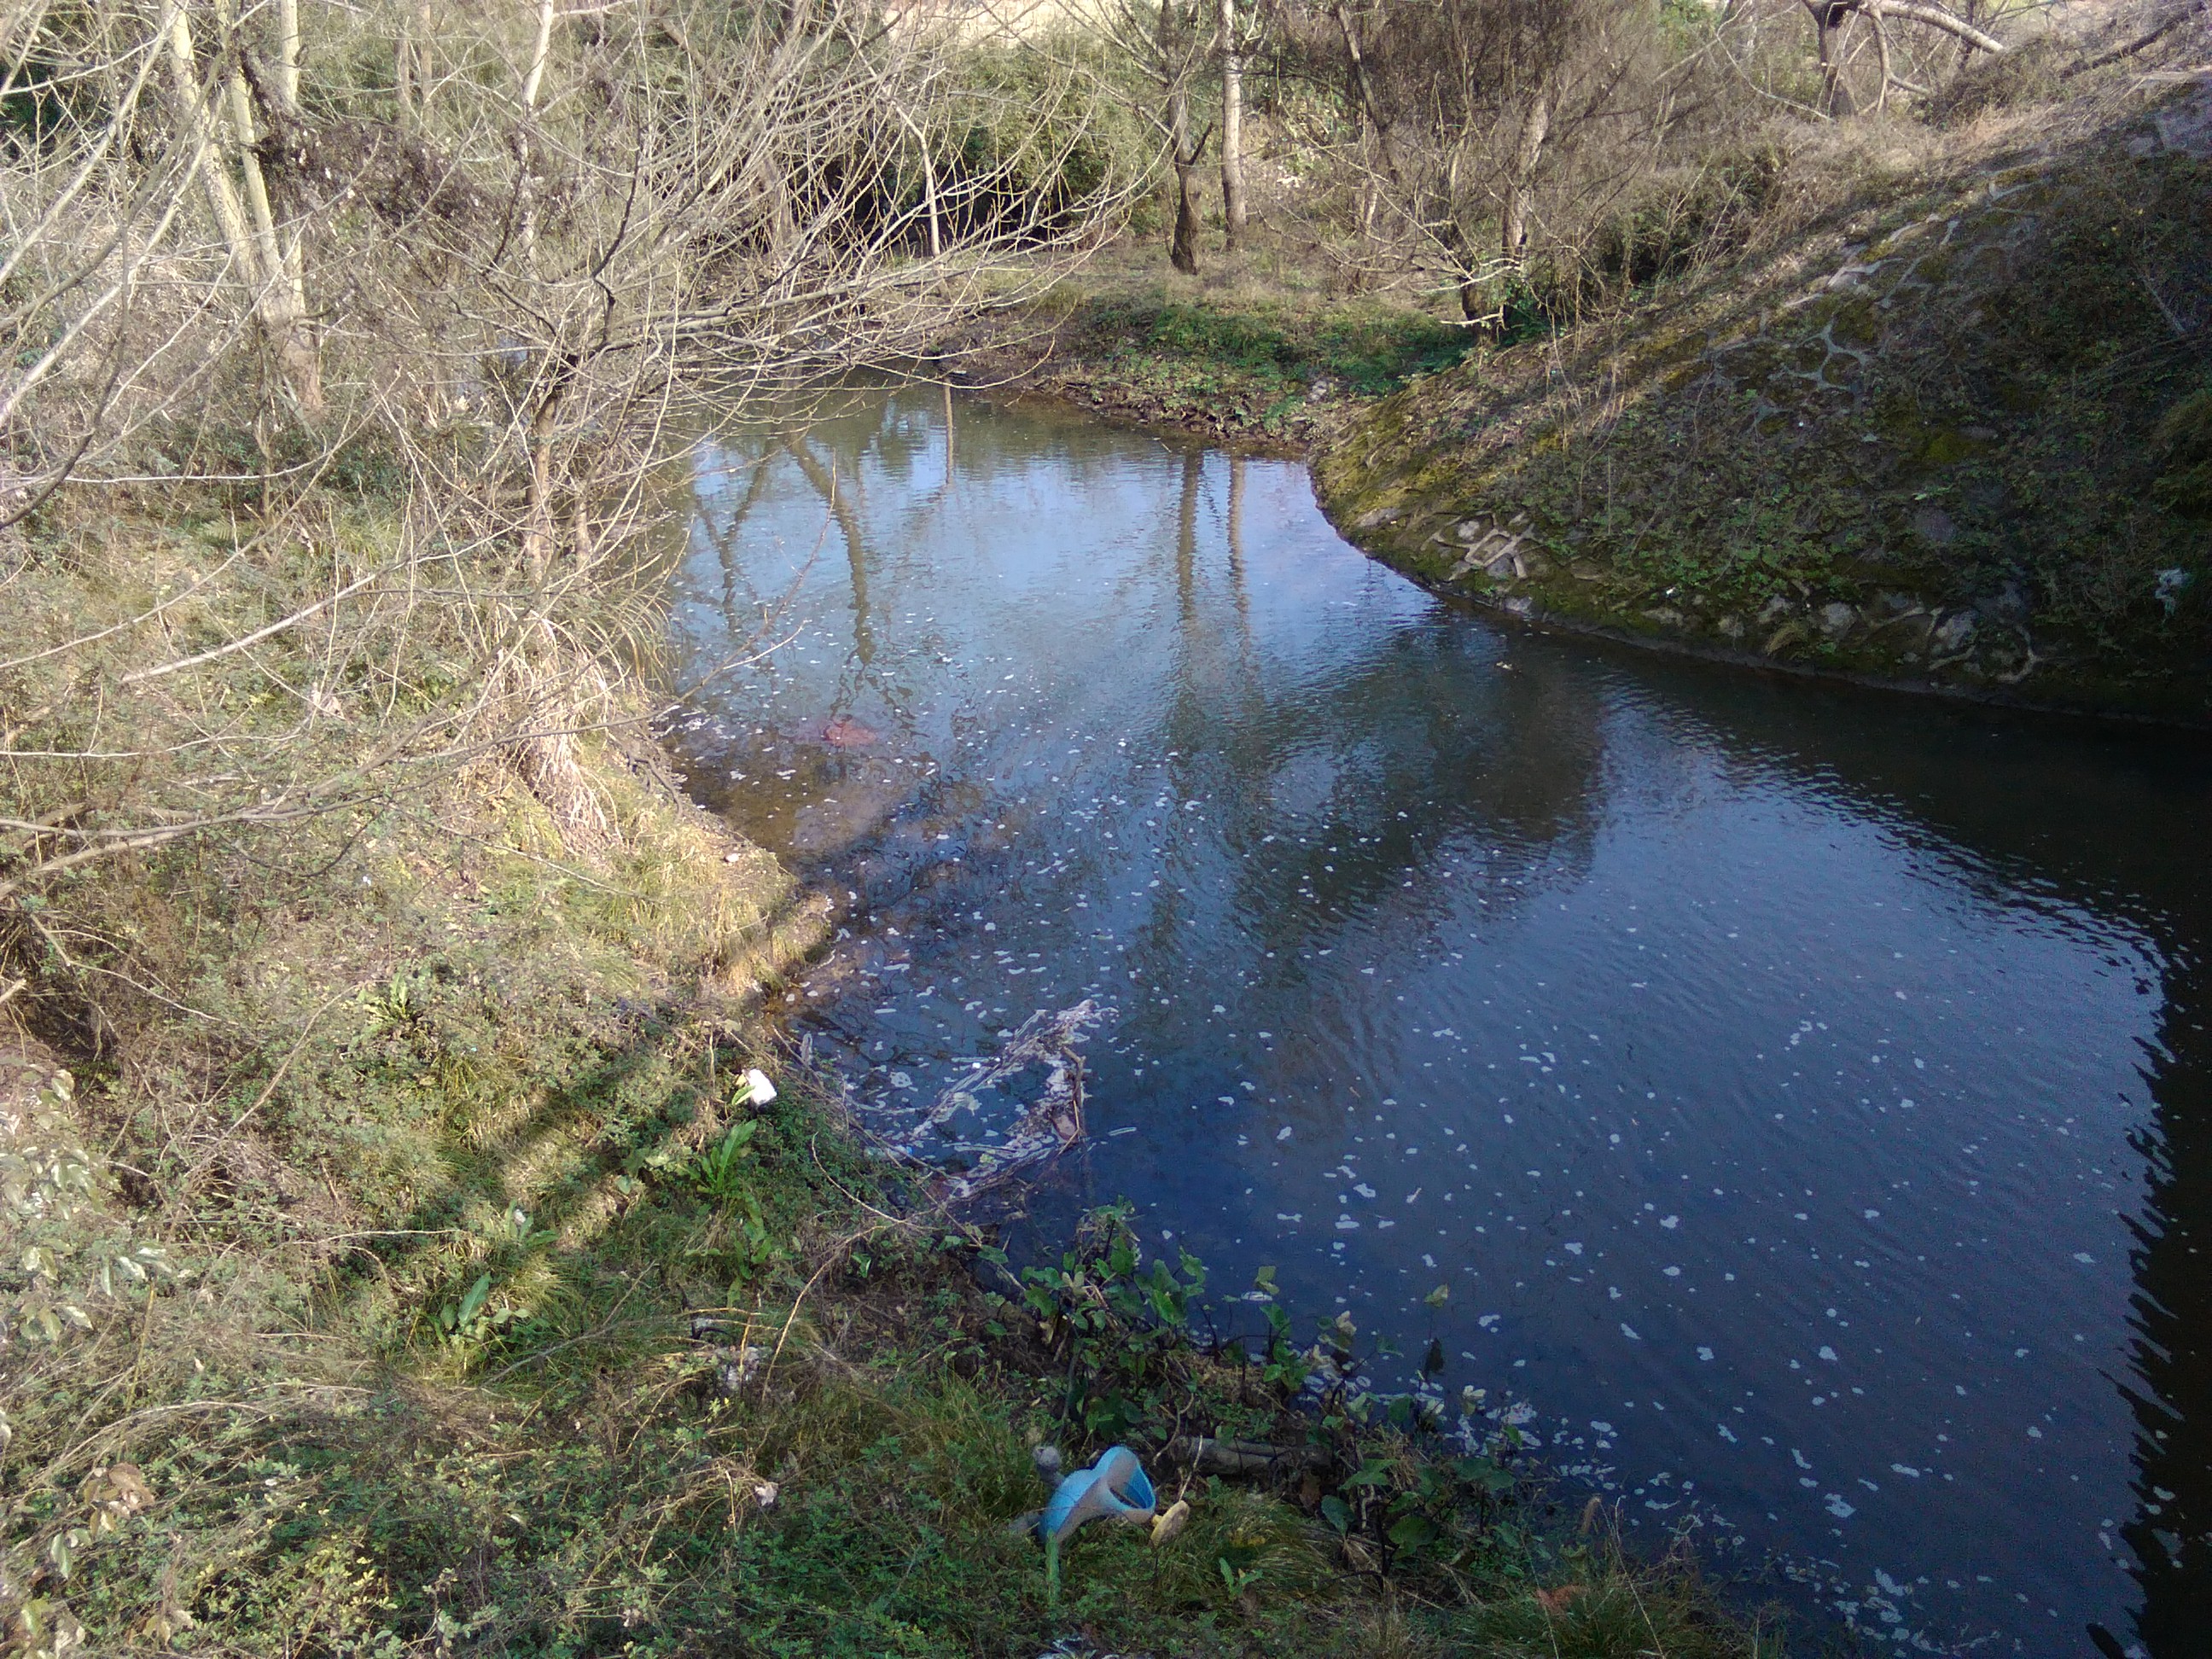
pixel 1831 20
pixel 533 83
pixel 1364 84
pixel 1183 245
pixel 288 55
pixel 928 181
pixel 1232 128
pixel 292 331
pixel 1474 294
pixel 282 304
pixel 538 526
pixel 1368 105
pixel 1521 189
pixel 222 137
pixel 1451 235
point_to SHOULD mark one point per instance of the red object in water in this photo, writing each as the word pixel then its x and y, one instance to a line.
pixel 846 732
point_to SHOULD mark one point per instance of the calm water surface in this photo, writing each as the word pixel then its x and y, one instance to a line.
pixel 1804 1093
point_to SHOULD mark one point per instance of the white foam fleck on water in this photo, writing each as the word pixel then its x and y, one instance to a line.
pixel 1670 1222
pixel 1628 1332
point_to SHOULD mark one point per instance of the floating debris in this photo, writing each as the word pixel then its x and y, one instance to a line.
pixel 1050 1126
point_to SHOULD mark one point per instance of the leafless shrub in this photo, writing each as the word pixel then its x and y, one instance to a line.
pixel 508 279
pixel 1485 129
pixel 352 358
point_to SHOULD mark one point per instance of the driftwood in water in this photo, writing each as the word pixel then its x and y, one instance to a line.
pixel 1205 1455
pixel 1048 1128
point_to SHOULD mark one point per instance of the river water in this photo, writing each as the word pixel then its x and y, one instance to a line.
pixel 1802 1092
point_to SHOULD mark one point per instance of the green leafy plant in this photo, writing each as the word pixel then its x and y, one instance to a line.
pixel 1124 1326
pixel 1287 1366
pixel 472 1319
pixel 67 1260
pixel 719 1170
pixel 395 1004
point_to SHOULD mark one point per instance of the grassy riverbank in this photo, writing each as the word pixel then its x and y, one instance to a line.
pixel 400 1265
pixel 1257 351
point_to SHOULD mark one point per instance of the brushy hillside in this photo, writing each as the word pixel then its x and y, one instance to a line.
pixel 1941 419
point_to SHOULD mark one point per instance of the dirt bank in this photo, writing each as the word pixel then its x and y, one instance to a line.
pixel 1944 436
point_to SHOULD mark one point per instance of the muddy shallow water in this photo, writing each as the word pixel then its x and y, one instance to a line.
pixel 1802 1092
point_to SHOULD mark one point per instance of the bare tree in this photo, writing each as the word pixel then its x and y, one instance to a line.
pixel 1173 65
pixel 217 112
pixel 1168 40
pixel 519 298
pixel 1233 209
pixel 1845 30
pixel 1475 112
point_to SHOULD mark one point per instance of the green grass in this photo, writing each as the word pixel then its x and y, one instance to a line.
pixel 1243 353
pixel 1370 348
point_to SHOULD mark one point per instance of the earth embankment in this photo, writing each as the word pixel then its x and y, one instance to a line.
pixel 1949 427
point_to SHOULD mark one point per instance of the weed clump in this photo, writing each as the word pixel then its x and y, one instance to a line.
pixel 2184 438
